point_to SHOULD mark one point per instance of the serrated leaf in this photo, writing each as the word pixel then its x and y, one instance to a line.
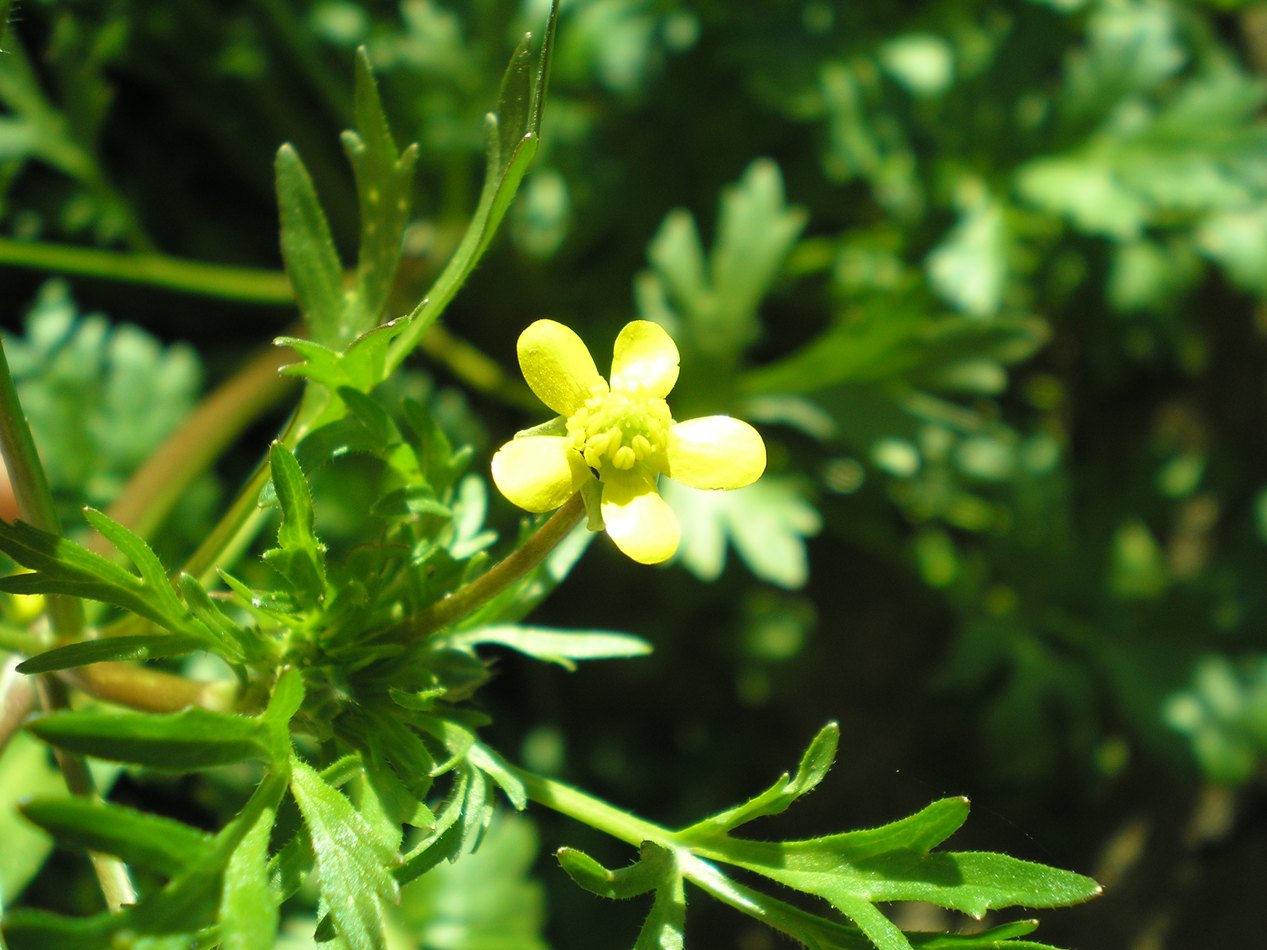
pixel 191 739
pixel 137 648
pixel 353 870
pixel 248 908
pixel 134 548
pixel 139 839
pixel 299 556
pixel 384 191
pixel 562 647
pixel 767 523
pixel 715 300
pixel 814 765
pixel 308 249
pixel 235 640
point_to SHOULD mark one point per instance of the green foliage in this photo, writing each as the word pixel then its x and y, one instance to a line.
pixel 101 397
pixel 1011 533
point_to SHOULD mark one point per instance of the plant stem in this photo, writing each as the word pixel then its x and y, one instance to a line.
pixel 243 284
pixel 593 812
pixel 496 579
pixel 31 491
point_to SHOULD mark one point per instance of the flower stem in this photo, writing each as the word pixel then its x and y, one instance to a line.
pixel 243 284
pixel 517 564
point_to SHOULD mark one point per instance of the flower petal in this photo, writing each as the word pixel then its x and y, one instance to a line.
pixel 557 366
pixel 539 472
pixel 640 522
pixel 645 358
pixel 715 452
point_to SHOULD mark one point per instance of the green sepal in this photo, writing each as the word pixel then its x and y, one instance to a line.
pixel 814 765
pixel 190 739
pixel 137 648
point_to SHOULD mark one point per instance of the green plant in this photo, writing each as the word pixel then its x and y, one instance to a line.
pixel 337 706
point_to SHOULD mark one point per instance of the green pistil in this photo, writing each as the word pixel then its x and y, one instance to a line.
pixel 621 429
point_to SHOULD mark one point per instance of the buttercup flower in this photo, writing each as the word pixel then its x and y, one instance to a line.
pixel 622 434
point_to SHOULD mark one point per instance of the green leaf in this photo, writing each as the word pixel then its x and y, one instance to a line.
pixel 814 765
pixel 191 739
pixel 308 250
pixel 482 901
pixel 25 772
pixel 139 839
pixel 235 640
pixel 248 908
pixel 64 567
pixel 501 772
pixel 384 185
pixel 767 523
pixel 893 863
pixel 134 548
pixel 555 646
pixel 717 304
pixel 137 648
pixel 665 925
pixel 512 138
pixel 299 556
pixel 655 865
pixel 969 268
pixel 353 870
pixel 40 930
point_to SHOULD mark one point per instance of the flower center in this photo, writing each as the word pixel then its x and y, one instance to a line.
pixel 622 429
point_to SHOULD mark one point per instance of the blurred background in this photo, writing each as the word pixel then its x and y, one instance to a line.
pixel 989 276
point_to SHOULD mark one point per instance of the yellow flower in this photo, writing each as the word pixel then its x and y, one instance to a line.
pixel 622 434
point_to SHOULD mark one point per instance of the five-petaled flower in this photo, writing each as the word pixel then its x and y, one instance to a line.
pixel 622 434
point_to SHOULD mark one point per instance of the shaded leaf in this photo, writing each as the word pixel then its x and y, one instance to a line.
pixel 555 646
pixel 141 647
pixel 137 838
pixel 191 739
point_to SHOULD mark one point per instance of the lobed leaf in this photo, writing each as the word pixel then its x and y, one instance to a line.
pixel 814 765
